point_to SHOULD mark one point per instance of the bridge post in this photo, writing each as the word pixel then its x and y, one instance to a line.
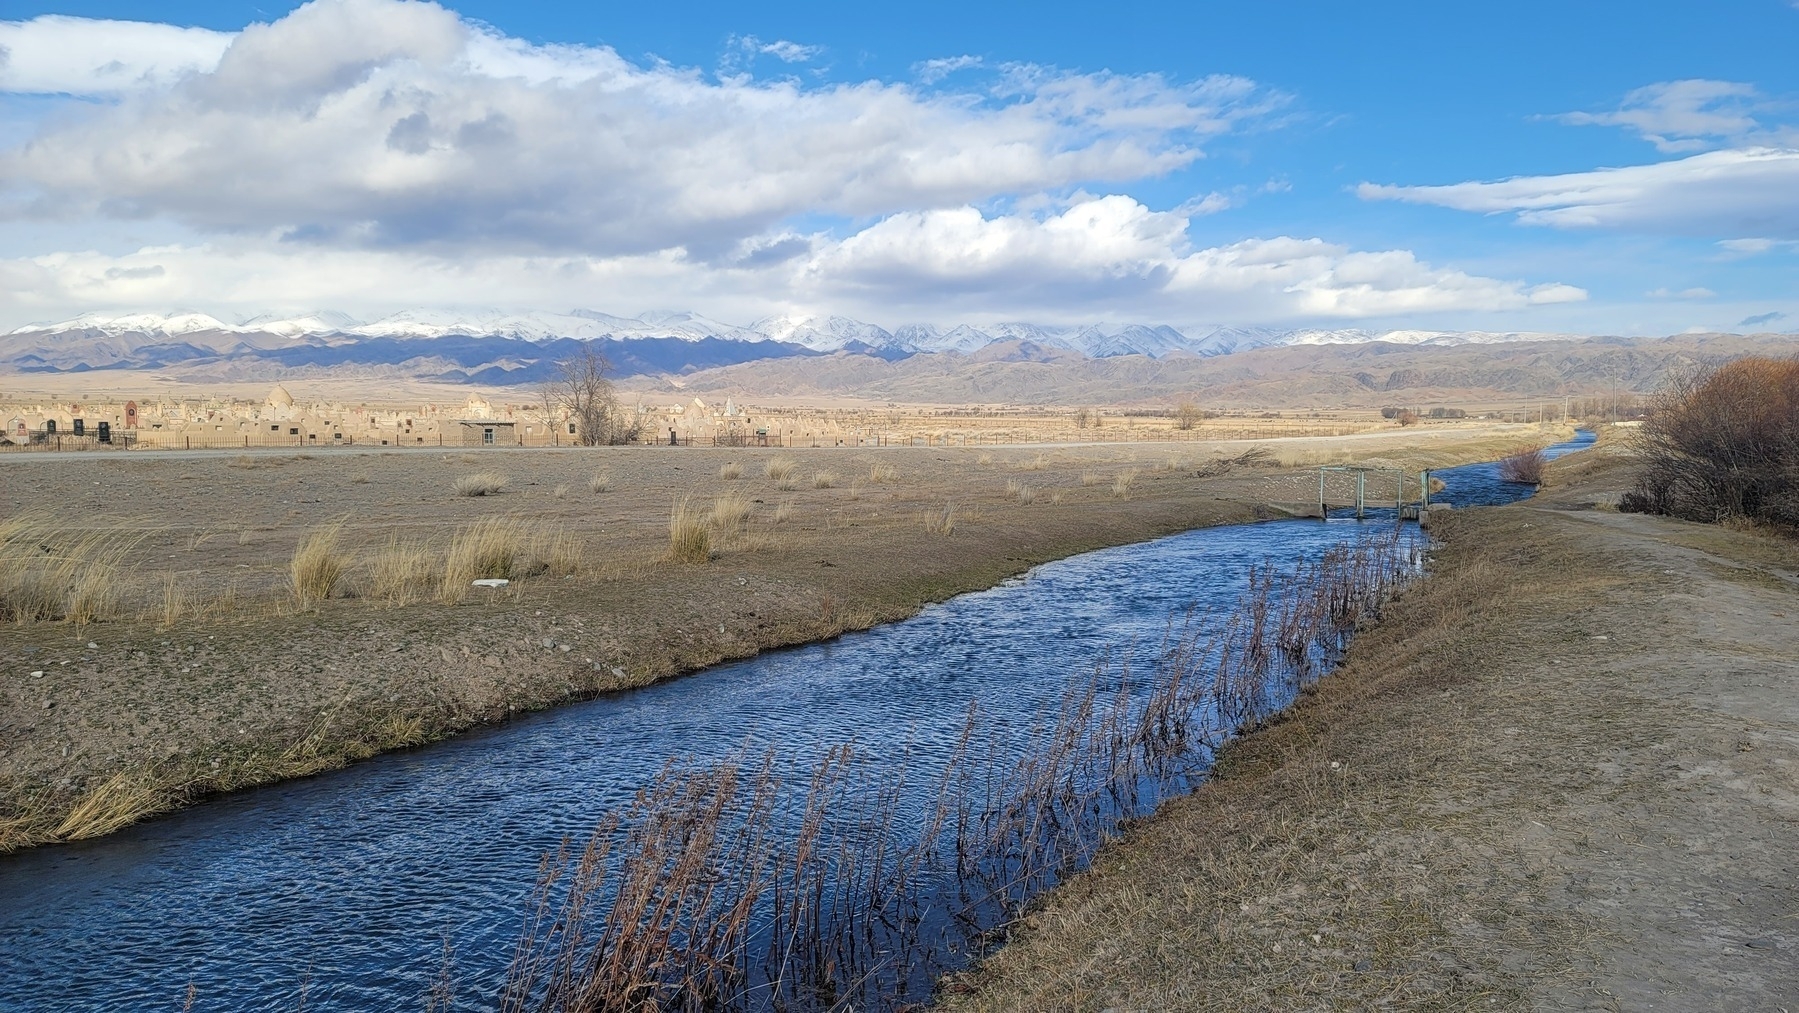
pixel 1361 493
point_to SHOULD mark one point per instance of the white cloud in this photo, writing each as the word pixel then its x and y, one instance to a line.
pixel 80 56
pixel 1737 192
pixel 1689 115
pixel 1109 255
pixel 932 71
pixel 1756 246
pixel 377 123
pixel 780 49
pixel 1685 293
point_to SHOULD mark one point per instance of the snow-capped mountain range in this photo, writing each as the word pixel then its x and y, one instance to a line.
pixel 815 334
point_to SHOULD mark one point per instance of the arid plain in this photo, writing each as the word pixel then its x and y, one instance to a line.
pixel 204 668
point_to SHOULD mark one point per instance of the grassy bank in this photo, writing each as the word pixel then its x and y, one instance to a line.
pixel 1543 780
pixel 341 640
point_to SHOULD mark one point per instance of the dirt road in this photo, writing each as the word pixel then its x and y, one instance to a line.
pixel 1563 773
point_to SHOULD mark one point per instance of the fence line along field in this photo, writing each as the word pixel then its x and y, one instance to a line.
pixel 183 623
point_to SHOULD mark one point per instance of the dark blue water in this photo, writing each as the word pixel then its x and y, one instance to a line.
pixel 346 886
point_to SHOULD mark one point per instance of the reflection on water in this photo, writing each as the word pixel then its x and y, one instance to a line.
pixel 348 884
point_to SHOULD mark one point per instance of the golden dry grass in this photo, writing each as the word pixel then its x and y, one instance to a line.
pixel 779 468
pixel 1122 482
pixel 824 480
pixel 51 572
pixel 689 534
pixel 600 482
pixel 483 483
pixel 731 470
pixel 317 565
pixel 940 522
pixel 729 512
pixel 879 473
pixel 402 572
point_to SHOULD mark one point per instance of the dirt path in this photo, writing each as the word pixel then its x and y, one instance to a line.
pixel 1561 774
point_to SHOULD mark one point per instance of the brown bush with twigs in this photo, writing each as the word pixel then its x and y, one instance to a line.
pixel 1723 443
pixel 1523 466
pixel 721 887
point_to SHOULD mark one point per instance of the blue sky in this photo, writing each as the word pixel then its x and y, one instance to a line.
pixel 1306 164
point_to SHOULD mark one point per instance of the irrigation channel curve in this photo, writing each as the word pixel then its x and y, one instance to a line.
pixel 357 890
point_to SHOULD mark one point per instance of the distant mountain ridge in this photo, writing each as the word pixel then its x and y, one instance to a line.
pixel 499 347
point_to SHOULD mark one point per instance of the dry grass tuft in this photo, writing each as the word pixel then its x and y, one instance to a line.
pixel 600 482
pixel 729 512
pixel 1019 491
pixel 784 511
pixel 779 468
pixel 560 492
pixel 483 483
pixel 940 522
pixel 1037 463
pixel 883 473
pixel 731 469
pixel 317 565
pixel 175 604
pixel 689 536
pixel 49 572
pixel 824 480
pixel 505 547
pixel 1121 485
pixel 401 573
pixel 118 802
pixel 1091 478
pixel 984 459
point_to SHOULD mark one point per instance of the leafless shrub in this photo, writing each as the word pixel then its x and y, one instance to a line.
pixel 1723 443
pixel 1523 466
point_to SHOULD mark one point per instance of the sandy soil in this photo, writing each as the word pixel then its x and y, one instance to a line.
pixel 1560 774
pixel 152 708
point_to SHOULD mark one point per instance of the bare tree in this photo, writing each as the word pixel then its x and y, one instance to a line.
pixel 1187 415
pixel 583 392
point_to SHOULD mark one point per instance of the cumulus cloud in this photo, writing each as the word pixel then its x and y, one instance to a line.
pixel 1108 255
pixel 1689 115
pixel 53 54
pixel 388 124
pixel 1735 192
